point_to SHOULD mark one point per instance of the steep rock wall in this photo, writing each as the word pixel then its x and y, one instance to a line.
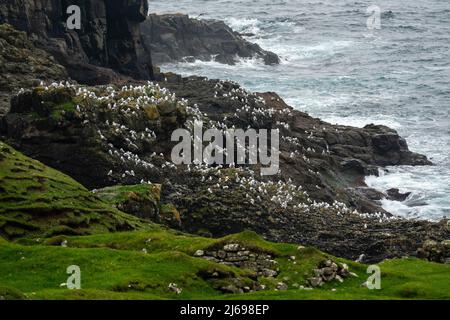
pixel 109 37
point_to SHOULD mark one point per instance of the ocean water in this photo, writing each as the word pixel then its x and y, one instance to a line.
pixel 336 68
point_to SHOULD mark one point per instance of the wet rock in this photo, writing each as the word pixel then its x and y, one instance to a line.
pixel 396 195
pixel 177 37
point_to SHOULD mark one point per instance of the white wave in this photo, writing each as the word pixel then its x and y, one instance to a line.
pixel 211 67
pixel 244 25
pixel 361 122
pixel 428 198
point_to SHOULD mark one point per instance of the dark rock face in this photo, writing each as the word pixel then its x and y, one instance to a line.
pixel 69 129
pixel 109 37
pixel 22 65
pixel 396 195
pixel 178 37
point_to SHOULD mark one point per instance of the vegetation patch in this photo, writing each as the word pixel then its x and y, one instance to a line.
pixel 36 200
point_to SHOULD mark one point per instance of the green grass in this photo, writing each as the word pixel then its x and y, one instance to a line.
pixel 119 194
pixel 113 266
pixel 40 201
pixel 41 208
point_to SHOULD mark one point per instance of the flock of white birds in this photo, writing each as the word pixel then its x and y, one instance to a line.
pixel 130 101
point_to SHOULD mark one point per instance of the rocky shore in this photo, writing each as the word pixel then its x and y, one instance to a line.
pixel 177 37
pixel 112 127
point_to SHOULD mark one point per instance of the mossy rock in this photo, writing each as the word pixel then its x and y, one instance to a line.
pixel 36 200
pixel 11 294
pixel 142 200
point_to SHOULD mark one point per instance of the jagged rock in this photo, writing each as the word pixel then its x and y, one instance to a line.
pixel 109 36
pixel 22 65
pixel 396 195
pixel 47 125
pixel 435 251
pixel 93 139
pixel 176 37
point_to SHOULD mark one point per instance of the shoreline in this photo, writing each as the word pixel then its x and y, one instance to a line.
pixel 94 206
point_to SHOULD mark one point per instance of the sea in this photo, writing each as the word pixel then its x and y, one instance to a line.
pixel 352 63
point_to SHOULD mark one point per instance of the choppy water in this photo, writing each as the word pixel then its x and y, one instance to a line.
pixel 337 69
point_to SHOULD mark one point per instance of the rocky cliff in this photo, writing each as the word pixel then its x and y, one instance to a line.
pixel 23 65
pixel 176 37
pixel 109 135
pixel 109 37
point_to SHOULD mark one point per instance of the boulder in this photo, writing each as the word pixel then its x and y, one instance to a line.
pixel 177 37
pixel 396 195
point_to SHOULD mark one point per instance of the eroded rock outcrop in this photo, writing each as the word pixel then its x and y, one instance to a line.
pixel 109 37
pixel 435 251
pixel 177 37
pixel 108 135
pixel 22 65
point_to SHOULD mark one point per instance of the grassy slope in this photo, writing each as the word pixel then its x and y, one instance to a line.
pixel 113 266
pixel 38 200
pixel 38 203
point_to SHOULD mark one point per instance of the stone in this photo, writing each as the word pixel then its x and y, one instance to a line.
pixel 199 253
pixel 268 273
pixel 260 287
pixel 174 288
pixel 233 247
pixel 221 254
pixel 315 281
pixel 231 289
pixel 281 286
pixel 243 253
pixel 211 259
pixel 318 272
